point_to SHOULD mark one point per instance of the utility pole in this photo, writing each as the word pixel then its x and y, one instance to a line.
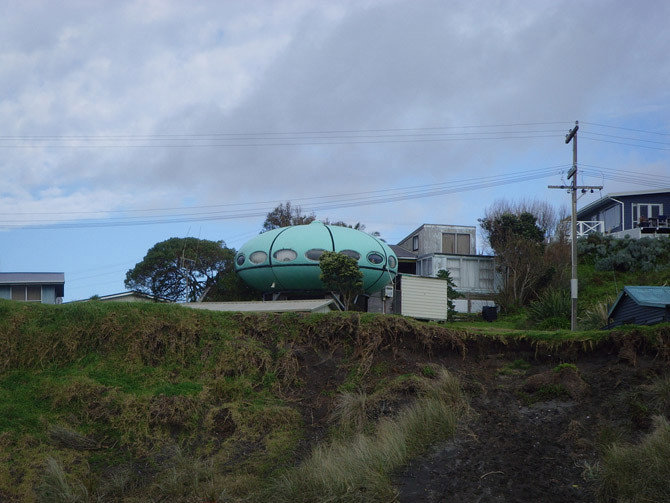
pixel 572 136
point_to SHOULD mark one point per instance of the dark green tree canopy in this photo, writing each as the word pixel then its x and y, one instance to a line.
pixel 505 228
pixel 284 215
pixel 180 269
pixel 340 273
pixel 516 233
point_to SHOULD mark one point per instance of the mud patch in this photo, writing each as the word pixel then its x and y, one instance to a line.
pixel 516 450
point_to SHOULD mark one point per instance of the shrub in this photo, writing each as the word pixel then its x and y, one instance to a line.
pixel 610 254
pixel 596 316
pixel 551 310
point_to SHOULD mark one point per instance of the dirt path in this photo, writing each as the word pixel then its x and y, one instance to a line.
pixel 524 446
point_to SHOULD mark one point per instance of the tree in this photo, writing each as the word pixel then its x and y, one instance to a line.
pixel 358 226
pixel 340 273
pixel 180 269
pixel 230 287
pixel 518 242
pixel 451 293
pixel 285 215
pixel 546 217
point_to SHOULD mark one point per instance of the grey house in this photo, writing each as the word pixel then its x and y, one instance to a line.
pixel 640 305
pixel 453 248
pixel 432 247
pixel 627 213
pixel 44 287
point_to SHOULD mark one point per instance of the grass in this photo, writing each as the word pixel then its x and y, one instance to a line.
pixel 637 473
pixel 358 469
pixel 156 402
pixel 517 367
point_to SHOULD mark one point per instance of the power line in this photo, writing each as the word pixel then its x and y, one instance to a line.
pixel 284 143
pixel 364 199
pixel 272 133
pixel 662 133
pixel 624 143
pixel 629 138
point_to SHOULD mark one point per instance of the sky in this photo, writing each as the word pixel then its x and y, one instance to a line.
pixel 125 123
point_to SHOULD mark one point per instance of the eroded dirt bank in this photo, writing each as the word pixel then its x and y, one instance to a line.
pixel 537 426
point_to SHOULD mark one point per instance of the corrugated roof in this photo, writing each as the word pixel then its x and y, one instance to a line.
pixel 7 278
pixel 275 306
pixel 650 296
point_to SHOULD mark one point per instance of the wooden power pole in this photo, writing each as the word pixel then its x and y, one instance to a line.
pixel 572 136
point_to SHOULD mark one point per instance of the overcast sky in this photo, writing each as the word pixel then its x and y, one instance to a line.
pixel 206 115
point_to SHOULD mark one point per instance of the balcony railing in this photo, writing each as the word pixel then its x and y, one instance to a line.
pixel 586 227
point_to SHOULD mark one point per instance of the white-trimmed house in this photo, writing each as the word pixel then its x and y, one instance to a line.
pixel 636 214
pixel 43 287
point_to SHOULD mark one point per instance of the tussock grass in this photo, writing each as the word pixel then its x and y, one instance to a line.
pixel 358 469
pixel 659 391
pixel 637 473
pixel 56 487
pixel 351 410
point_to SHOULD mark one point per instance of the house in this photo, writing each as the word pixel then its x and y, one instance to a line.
pixel 453 248
pixel 44 287
pixel 627 213
pixel 432 247
pixel 640 305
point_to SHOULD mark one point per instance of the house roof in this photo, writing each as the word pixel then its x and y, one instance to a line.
pixel 275 306
pixel 609 197
pixel 22 278
pixel 650 296
pixel 402 253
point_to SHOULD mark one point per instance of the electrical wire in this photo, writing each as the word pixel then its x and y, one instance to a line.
pixel 361 199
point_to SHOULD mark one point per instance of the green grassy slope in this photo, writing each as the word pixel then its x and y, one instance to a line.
pixel 144 402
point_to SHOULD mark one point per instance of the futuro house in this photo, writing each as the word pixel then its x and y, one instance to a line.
pixel 287 259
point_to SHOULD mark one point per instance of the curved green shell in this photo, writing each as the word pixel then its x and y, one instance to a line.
pixel 302 273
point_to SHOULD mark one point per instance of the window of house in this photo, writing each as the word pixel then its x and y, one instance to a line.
pixel 375 258
pixel 34 293
pixel 285 255
pixel 453 242
pixel 19 292
pixel 258 257
pixel 644 211
pixel 415 243
pixel 612 218
pixel 314 254
pixel 351 253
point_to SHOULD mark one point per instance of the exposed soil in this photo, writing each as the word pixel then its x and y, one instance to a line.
pixel 534 431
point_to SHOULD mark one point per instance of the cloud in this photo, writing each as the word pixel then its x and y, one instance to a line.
pixel 126 72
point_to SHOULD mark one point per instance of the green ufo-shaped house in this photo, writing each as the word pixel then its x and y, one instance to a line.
pixel 287 259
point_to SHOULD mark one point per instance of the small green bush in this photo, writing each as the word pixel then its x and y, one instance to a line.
pixel 551 310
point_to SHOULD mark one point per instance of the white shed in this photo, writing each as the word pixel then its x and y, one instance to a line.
pixel 424 298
